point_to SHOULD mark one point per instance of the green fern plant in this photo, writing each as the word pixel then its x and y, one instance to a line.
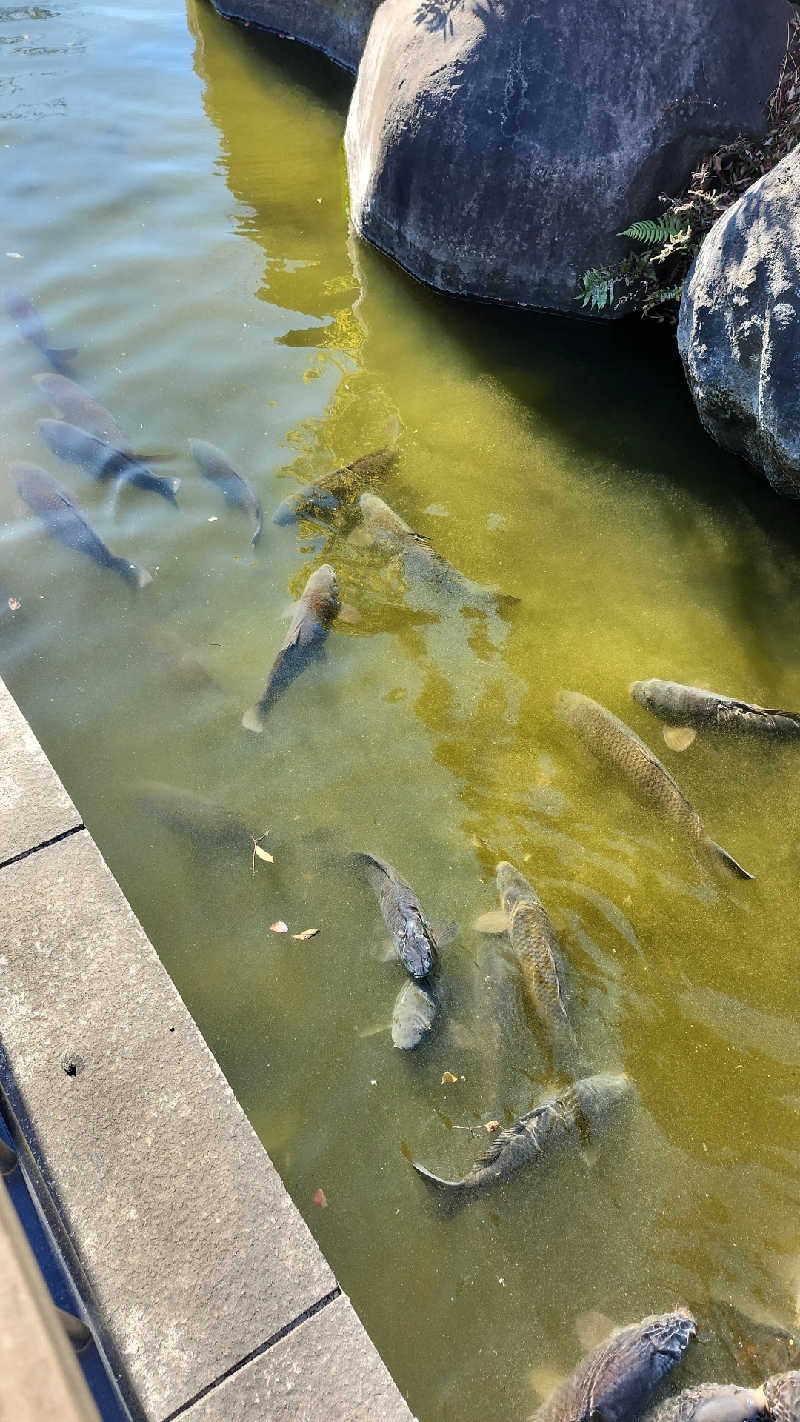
pixel 596 289
pixel 654 231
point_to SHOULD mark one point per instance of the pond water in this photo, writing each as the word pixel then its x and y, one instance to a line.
pixel 175 204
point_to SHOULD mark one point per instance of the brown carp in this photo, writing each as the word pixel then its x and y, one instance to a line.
pixel 614 743
pixel 32 328
pixel 573 1119
pixel 234 489
pixel 412 936
pixel 337 490
pixel 680 705
pixel 616 1381
pixel 74 405
pixel 415 1012
pixel 421 563
pixel 538 952
pixel 64 520
pixel 102 459
pixel 783 1397
pixel 313 617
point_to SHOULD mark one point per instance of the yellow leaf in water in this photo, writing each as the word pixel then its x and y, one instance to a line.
pixel 448 1078
pixel 279 927
pixel 307 933
pixel 262 854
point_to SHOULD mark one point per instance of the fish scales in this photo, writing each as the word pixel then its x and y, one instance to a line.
pixel 411 934
pixel 711 1402
pixel 615 743
pixel 333 491
pixel 538 952
pixel 616 1381
pixel 680 705
pixel 571 1119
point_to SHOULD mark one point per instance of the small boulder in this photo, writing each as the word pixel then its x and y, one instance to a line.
pixel 739 328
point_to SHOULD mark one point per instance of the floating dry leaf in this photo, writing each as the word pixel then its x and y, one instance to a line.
pixel 307 933
pixel 448 1078
pixel 491 1125
pixel 279 927
pixel 318 1198
pixel 263 854
pixel 14 603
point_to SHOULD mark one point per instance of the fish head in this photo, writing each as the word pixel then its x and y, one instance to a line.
pixel 569 704
pixel 415 945
pixel 644 693
pixel 633 1362
pixel 321 595
pixel 783 1396
pixel 602 1095
pixel 512 886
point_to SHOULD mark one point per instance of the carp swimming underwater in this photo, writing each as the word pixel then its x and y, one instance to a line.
pixel 314 614
pixel 65 521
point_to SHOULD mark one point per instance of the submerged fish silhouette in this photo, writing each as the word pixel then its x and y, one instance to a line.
pixel 314 614
pixel 32 328
pixel 65 521
pixel 102 459
pixel 234 489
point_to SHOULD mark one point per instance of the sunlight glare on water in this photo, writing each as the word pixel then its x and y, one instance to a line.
pixel 176 194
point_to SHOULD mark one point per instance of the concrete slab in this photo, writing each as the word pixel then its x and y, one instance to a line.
pixel 193 1250
pixel 34 806
pixel 327 1367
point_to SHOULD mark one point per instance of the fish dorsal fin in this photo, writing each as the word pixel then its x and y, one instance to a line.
pixel 499 1142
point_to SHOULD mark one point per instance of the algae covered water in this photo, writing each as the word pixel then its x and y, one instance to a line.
pixel 175 205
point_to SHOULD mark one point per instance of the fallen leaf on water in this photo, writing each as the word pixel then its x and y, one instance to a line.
pixel 263 854
pixel 491 1125
pixel 307 933
pixel 448 1078
pixel 318 1198
pixel 279 927
pixel 14 603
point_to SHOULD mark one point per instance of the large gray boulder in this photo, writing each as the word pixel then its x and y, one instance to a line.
pixel 337 27
pixel 495 147
pixel 739 328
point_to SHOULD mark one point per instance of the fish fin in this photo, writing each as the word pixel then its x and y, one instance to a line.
pixel 496 921
pixel 593 1329
pixel 444 930
pixel 679 738
pixel 589 1155
pixel 253 720
pixel 153 456
pixel 545 1381
pixel 726 860
pixel 142 577
pixel 448 1190
pixel 259 528
pixel 384 951
pixel 348 613
pixel 173 484
pixel 376 1031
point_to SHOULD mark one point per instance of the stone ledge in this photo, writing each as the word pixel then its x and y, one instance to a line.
pixel 34 806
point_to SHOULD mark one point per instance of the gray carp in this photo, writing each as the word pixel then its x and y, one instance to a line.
pixel 680 705
pixel 616 1381
pixel 538 952
pixel 614 743
pixel 333 491
pixel 571 1119
pixel 74 405
pixel 32 328
pixel 421 563
pixel 783 1397
pixel 234 489
pixel 415 1011
pixel 712 1402
pixel 203 823
pixel 412 935
pixel 313 617
pixel 64 520
pixel 103 460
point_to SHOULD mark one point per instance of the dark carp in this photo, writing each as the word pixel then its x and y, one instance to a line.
pixel 103 460
pixel 75 406
pixel 572 1119
pixel 311 622
pixel 206 825
pixel 643 774
pixel 712 1402
pixel 538 952
pixel 682 706
pixel 234 489
pixel 32 328
pixel 337 490
pixel 616 1381
pixel 421 563
pixel 65 521
pixel 415 1012
pixel 412 935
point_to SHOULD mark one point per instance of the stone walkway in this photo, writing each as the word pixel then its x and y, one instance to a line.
pixel 200 1275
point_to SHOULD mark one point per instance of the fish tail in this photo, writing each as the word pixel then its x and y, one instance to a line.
pixel 141 577
pixel 61 359
pixel 253 719
pixel 131 572
pixel 259 528
pixel 450 1194
pixel 721 857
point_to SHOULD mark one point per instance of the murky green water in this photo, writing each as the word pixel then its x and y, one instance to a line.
pixel 177 196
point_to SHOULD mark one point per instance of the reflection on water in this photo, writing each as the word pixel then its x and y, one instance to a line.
pixel 176 194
